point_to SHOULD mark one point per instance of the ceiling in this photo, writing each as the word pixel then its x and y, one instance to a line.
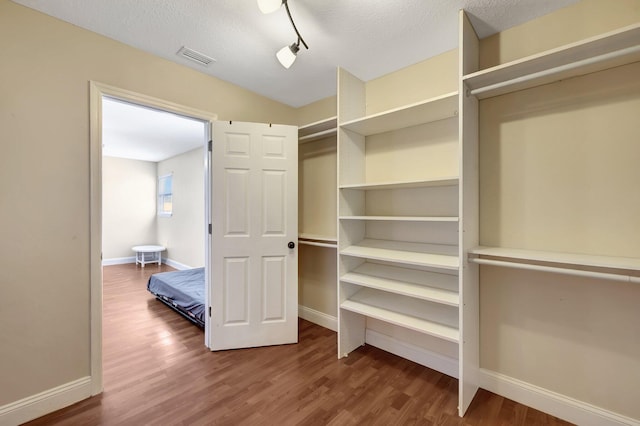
pixel 368 38
pixel 140 133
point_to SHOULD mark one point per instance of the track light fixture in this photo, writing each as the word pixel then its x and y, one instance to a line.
pixel 286 55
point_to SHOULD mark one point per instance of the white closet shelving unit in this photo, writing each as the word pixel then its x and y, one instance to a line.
pixel 400 240
pixel 405 263
pixel 612 49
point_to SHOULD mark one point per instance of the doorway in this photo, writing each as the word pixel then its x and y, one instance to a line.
pixel 99 92
pixel 153 186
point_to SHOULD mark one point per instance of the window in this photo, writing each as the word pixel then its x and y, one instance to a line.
pixel 165 195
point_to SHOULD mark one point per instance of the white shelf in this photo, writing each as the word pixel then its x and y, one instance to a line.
pixel 318 130
pixel 429 255
pixel 365 276
pixel 594 54
pixel 582 260
pixel 358 303
pixel 443 181
pixel 430 110
pixel 403 218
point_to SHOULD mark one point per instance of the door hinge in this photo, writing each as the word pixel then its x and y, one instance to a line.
pixel 209 311
pixel 210 229
pixel 210 146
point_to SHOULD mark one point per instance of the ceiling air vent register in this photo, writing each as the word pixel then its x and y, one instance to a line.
pixel 192 55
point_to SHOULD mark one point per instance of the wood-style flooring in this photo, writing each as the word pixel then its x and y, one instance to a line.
pixel 157 371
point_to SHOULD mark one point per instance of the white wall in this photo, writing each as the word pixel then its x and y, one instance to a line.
pixel 183 233
pixel 128 206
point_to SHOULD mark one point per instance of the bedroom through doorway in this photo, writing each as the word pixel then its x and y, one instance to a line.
pixel 153 186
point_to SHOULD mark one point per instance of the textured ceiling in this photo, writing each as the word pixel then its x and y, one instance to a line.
pixel 369 38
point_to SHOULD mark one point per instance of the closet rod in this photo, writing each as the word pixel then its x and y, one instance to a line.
pixel 317 244
pixel 557 70
pixel 558 270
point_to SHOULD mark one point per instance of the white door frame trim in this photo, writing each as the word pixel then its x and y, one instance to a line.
pixel 96 92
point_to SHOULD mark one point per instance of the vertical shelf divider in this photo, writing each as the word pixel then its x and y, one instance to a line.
pixel 469 348
pixel 351 105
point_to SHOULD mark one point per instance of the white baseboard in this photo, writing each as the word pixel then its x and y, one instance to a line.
pixel 118 261
pixel 179 266
pixel 317 317
pixel 45 402
pixel 553 403
pixel 132 259
pixel 433 360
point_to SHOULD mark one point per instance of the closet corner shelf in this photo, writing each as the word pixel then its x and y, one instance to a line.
pixel 443 181
pixel 318 130
pixel 615 48
pixel 417 254
pixel 407 321
pixel 403 218
pixel 427 111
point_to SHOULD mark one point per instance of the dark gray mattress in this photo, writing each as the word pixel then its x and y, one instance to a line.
pixel 182 289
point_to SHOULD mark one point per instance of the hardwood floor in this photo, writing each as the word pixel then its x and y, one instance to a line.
pixel 158 371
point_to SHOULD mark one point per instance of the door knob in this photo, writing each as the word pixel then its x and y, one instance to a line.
pixel 291 244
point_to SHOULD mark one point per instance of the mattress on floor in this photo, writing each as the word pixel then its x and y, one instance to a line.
pixel 183 289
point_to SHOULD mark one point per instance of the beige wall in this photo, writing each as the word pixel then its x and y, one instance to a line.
pixel 559 166
pixel 585 19
pixel 44 176
pixel 317 212
pixel 317 217
pixel 559 171
pixel 128 205
pixel 317 279
pixel 183 233
pixel 317 111
pixel 419 152
pixel 427 79
pixel 317 188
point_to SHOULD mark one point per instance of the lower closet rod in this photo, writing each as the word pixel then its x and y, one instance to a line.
pixel 317 244
pixel 566 271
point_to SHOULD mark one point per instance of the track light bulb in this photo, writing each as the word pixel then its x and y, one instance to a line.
pixel 269 6
pixel 287 55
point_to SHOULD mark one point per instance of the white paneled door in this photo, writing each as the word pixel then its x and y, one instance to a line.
pixel 254 210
